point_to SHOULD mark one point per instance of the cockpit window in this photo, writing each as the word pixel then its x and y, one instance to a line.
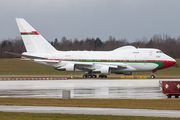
pixel 159 52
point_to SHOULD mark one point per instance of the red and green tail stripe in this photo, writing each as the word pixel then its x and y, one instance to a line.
pixel 30 33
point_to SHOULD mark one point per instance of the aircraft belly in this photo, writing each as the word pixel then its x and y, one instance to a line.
pixel 144 66
pixel 137 67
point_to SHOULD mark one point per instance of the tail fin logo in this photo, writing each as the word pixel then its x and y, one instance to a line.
pixel 30 33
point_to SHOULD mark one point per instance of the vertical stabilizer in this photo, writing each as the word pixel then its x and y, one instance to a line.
pixel 33 41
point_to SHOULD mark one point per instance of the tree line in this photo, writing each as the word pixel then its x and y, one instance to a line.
pixel 169 45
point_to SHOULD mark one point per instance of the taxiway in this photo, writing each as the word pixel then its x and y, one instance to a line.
pixel 92 111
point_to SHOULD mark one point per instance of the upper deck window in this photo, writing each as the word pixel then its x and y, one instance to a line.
pixel 159 52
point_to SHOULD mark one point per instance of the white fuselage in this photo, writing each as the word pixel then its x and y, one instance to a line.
pixel 128 60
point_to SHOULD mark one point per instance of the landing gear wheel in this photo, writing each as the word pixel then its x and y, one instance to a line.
pixel 90 76
pixel 153 76
pixel 94 76
pixel 84 76
pixel 102 76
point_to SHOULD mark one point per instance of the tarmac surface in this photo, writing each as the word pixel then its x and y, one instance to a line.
pixel 92 111
pixel 83 88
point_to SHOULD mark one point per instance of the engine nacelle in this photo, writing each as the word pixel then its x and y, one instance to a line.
pixel 105 70
pixel 70 67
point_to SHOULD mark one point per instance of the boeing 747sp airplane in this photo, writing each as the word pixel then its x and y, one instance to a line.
pixel 124 60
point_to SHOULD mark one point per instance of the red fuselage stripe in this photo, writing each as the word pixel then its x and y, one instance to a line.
pixel 33 32
pixel 166 63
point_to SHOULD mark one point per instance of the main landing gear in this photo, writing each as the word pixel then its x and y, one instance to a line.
pixel 102 76
pixel 91 75
pixel 153 74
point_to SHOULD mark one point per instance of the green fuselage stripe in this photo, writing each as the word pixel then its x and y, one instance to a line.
pixel 28 34
pixel 160 64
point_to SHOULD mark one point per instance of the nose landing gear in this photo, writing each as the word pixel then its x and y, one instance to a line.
pixel 153 74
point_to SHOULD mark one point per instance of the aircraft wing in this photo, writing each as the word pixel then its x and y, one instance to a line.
pixel 84 66
pixel 91 64
pixel 80 65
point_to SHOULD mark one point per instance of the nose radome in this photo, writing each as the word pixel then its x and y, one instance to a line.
pixel 171 61
pixel 174 61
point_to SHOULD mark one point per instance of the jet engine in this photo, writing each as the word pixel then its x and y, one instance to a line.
pixel 70 67
pixel 105 70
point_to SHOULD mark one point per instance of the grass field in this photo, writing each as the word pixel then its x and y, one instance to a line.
pixel 170 104
pixel 24 67
pixel 35 116
pixel 164 104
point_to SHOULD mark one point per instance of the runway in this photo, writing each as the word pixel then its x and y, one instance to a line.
pixel 84 88
pixel 92 111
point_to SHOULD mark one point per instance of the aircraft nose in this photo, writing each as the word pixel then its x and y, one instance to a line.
pixel 171 62
pixel 174 61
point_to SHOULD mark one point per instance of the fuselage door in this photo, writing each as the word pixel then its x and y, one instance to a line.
pixel 145 60
pixel 125 60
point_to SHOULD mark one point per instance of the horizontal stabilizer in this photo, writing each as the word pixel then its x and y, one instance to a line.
pixel 27 56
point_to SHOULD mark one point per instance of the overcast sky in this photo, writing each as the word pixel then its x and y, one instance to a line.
pixel 130 19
